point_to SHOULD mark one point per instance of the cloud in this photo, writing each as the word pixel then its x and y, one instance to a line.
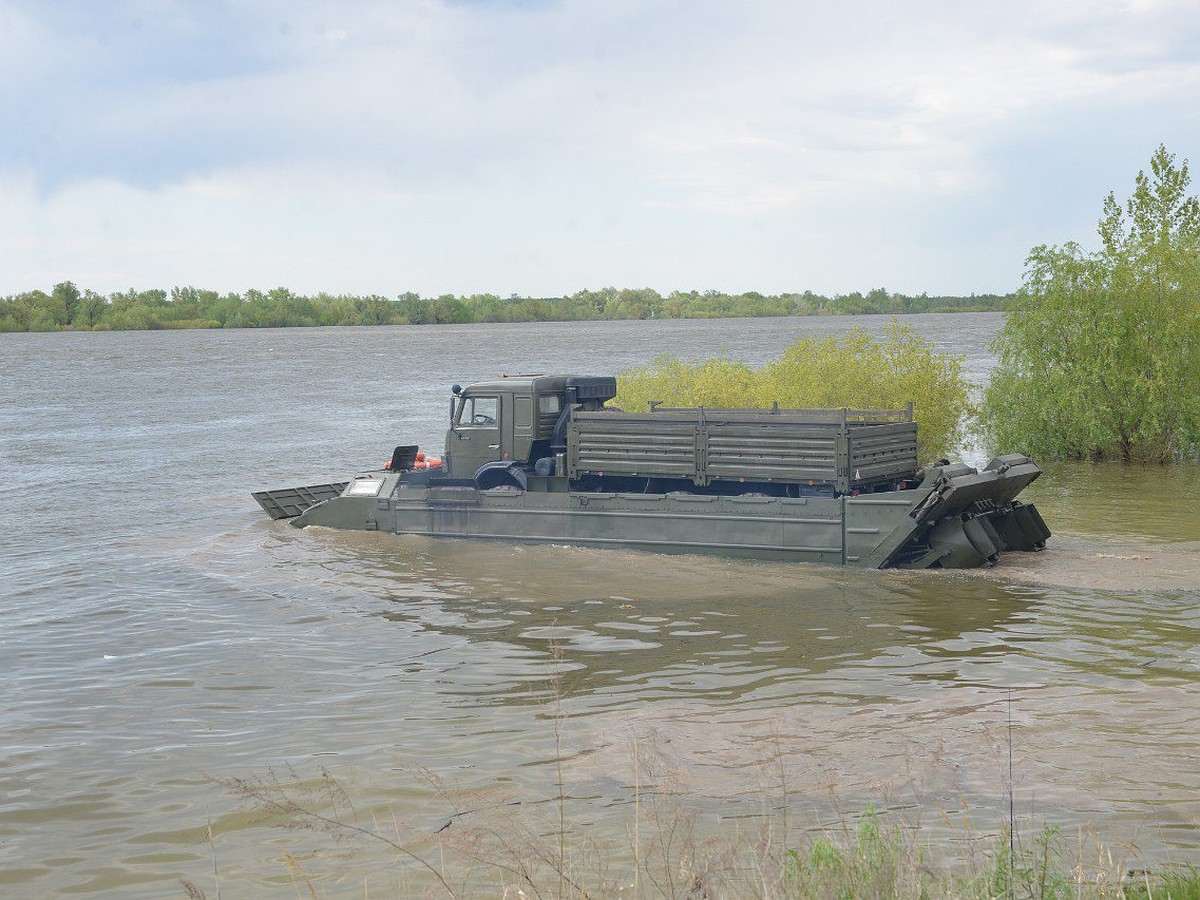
pixel 542 147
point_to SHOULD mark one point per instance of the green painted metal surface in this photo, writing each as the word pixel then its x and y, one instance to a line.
pixel 541 459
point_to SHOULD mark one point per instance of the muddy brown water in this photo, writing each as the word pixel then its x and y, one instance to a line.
pixel 159 634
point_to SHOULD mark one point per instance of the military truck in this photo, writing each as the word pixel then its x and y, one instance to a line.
pixel 545 458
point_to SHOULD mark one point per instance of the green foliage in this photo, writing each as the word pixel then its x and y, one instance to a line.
pixel 66 307
pixel 851 370
pixel 1178 883
pixel 717 382
pixel 876 863
pixel 1099 357
pixel 1039 872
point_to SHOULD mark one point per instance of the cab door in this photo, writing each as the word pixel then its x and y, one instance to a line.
pixel 475 434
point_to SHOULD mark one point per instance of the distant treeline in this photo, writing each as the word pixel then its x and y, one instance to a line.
pixel 67 307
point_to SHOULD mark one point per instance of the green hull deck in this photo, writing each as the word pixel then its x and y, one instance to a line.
pixel 542 458
pixel 957 517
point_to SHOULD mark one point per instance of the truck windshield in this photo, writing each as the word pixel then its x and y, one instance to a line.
pixel 478 411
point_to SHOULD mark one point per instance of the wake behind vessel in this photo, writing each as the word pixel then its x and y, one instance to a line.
pixel 543 458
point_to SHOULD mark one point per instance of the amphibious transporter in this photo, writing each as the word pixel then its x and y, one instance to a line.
pixel 541 458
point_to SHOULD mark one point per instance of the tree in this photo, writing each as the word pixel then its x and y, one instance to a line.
pixel 66 294
pixel 1099 357
pixel 89 310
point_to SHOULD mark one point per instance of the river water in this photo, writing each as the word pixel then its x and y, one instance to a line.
pixel 163 641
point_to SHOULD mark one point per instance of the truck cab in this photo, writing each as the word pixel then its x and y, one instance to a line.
pixel 503 427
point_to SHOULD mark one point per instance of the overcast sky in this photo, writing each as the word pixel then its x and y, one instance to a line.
pixel 542 147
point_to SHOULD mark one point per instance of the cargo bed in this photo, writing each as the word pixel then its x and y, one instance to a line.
pixel 844 449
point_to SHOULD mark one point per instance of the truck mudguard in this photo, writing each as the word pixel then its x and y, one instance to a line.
pixel 500 473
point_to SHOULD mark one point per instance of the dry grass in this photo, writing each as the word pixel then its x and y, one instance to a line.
pixel 496 843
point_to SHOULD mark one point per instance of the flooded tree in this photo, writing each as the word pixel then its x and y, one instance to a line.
pixel 1099 358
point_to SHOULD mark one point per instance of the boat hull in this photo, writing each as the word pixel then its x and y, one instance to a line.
pixel 956 517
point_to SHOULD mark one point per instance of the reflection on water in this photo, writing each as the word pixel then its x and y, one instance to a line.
pixel 1127 502
pixel 158 630
pixel 698 629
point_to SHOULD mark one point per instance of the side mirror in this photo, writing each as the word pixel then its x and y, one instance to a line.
pixel 455 390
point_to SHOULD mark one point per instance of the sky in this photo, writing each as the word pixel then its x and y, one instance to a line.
pixel 539 148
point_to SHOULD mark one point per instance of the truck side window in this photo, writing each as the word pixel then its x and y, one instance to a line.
pixel 548 404
pixel 478 411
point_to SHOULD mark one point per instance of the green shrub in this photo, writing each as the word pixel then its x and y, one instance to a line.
pixel 853 370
